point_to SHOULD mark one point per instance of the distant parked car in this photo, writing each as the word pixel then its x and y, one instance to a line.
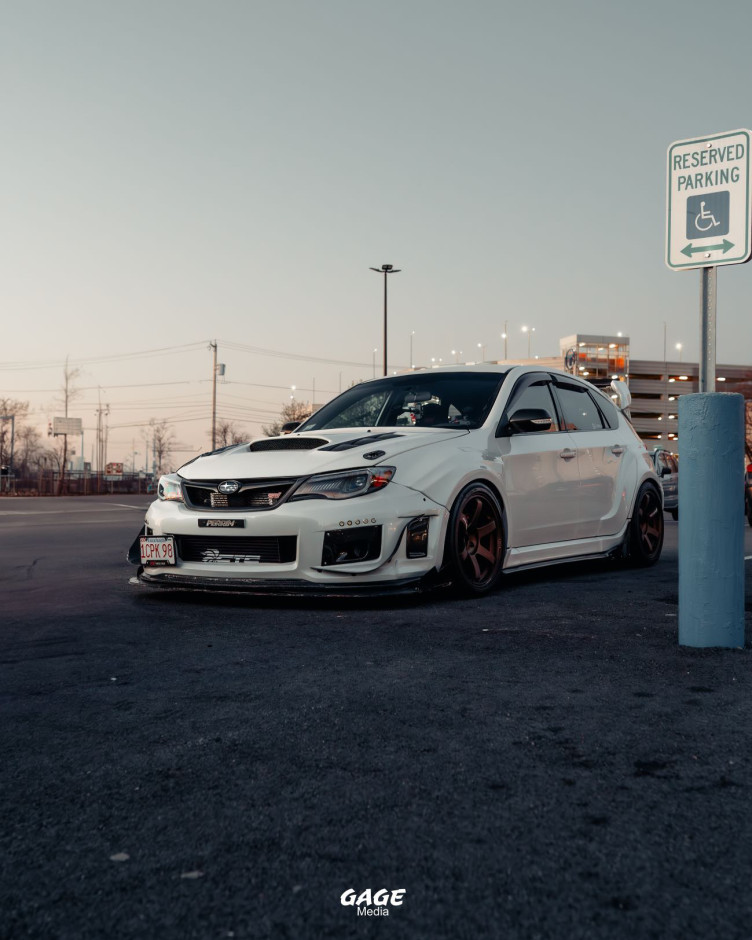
pixel 748 493
pixel 667 467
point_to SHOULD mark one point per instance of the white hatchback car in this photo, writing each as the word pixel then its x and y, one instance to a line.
pixel 453 474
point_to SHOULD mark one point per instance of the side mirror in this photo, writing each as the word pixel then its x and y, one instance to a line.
pixel 530 420
pixel 665 471
pixel 623 395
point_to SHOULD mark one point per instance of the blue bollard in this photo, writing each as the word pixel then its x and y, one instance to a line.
pixel 711 520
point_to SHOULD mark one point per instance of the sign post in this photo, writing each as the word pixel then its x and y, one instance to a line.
pixel 709 224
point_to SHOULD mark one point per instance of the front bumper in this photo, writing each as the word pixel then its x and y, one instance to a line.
pixel 309 569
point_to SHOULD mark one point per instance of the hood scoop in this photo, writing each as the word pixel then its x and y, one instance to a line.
pixel 288 443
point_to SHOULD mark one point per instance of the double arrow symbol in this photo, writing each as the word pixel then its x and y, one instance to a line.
pixel 724 247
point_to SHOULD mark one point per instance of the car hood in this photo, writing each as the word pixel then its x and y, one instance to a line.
pixel 295 455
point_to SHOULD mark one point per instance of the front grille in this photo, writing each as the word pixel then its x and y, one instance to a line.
pixel 265 550
pixel 253 494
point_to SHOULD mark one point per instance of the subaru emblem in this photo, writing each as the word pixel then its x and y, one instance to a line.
pixel 229 487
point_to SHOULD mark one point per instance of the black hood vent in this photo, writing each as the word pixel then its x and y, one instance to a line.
pixel 288 443
pixel 362 441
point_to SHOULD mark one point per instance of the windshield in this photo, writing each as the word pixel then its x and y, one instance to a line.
pixel 421 399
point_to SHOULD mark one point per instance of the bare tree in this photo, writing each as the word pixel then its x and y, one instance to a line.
pixel 163 440
pixel 29 449
pixel 227 433
pixel 10 407
pixel 293 411
pixel 68 392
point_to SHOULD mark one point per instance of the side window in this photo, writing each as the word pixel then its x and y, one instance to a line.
pixel 539 396
pixel 580 411
pixel 662 461
pixel 673 464
pixel 609 410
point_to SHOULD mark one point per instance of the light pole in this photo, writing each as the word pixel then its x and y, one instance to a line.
pixel 529 330
pixel 373 362
pixel 412 364
pixel 482 352
pixel 679 347
pixel 386 269
pixel 505 336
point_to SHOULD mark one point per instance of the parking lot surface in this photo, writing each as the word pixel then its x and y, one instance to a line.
pixel 545 762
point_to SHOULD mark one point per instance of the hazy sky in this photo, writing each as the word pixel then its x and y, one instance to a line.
pixel 180 172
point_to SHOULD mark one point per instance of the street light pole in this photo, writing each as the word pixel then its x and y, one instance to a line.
pixel 505 337
pixel 386 269
pixel 412 364
pixel 529 330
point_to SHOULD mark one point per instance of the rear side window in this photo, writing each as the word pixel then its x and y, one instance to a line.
pixel 609 410
pixel 579 410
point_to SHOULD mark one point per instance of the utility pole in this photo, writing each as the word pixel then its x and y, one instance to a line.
pixel 217 369
pixel 101 438
pixel 213 347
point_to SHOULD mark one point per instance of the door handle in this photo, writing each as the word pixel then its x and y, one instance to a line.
pixel 617 450
pixel 568 454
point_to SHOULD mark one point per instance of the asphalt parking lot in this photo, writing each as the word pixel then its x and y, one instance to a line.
pixel 546 762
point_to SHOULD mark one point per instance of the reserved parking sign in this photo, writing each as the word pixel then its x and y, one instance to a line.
pixel 709 207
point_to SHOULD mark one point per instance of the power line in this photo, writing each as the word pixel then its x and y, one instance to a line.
pixel 118 357
pixel 279 354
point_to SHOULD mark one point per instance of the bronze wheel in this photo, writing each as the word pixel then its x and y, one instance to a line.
pixel 475 540
pixel 646 527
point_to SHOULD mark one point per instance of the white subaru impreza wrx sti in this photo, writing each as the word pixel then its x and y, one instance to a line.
pixel 443 475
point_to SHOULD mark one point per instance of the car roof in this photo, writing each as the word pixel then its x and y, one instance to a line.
pixel 481 368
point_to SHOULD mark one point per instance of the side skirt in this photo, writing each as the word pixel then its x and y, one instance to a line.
pixel 538 556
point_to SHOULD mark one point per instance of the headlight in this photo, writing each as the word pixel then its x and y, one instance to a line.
pixel 344 485
pixel 170 487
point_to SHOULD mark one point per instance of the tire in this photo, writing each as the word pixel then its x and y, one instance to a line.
pixel 474 551
pixel 645 533
pixel 674 514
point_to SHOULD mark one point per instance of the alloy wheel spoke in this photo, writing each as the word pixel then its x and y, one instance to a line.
pixel 472 519
pixel 487 553
pixel 487 529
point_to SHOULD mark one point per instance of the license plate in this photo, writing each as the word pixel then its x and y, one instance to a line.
pixel 157 550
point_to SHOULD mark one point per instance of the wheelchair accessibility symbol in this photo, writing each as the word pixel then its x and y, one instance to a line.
pixel 708 215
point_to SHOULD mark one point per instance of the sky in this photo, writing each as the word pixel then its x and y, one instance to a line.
pixel 182 173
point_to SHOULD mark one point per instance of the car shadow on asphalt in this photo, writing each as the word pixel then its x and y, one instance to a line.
pixel 512 582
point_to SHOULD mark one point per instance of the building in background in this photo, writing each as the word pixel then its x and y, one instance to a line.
pixel 656 386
